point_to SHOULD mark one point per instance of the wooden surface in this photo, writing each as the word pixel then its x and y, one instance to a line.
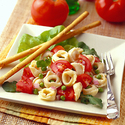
pixel 21 14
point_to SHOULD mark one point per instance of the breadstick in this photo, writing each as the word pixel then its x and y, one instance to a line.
pixel 42 49
pixel 30 51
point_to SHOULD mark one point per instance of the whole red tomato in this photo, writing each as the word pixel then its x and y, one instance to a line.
pixel 111 10
pixel 49 12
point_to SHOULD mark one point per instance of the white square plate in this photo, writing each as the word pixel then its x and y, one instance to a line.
pixel 101 44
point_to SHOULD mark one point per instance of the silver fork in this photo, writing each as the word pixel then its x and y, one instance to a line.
pixel 112 109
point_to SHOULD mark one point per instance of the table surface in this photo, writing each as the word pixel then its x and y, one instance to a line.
pixel 19 14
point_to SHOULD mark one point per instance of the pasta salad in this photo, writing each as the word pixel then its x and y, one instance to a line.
pixel 62 75
pixel 68 72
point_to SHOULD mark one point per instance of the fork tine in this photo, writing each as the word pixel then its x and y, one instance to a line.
pixel 111 63
pixel 102 58
pixel 107 63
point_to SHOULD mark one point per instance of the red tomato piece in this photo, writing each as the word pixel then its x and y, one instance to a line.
pixel 97 59
pixel 24 85
pixel 49 12
pixel 85 79
pixel 27 72
pixel 59 66
pixel 85 61
pixel 57 48
pixel 68 93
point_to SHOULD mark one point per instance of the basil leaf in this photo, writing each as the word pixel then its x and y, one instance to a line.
pixel 87 50
pixel 92 100
pixel 9 86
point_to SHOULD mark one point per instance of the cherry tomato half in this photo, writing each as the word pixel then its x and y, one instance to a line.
pixel 59 66
pixel 97 59
pixel 49 12
pixel 68 93
pixel 24 85
pixel 27 72
pixel 57 48
pixel 85 61
pixel 85 79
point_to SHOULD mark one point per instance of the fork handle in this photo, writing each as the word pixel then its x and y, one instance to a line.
pixel 112 110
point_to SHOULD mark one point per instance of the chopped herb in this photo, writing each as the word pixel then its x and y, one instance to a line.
pixel 44 63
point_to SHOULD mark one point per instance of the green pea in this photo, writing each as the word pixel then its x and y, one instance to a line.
pixel 95 67
pixel 35 91
pixel 42 84
pixel 63 87
pixel 52 80
pixel 100 89
pixel 98 76
pixel 40 76
pixel 62 98
pixel 88 87
pixel 43 68
pixel 97 71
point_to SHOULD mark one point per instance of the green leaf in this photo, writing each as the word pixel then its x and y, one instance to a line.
pixel 69 43
pixel 68 47
pixel 44 63
pixel 92 100
pixel 83 45
pixel 87 50
pixel 27 41
pixel 9 86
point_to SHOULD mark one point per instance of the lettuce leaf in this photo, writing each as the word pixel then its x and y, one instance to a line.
pixel 27 41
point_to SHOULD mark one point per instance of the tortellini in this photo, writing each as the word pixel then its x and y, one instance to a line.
pixel 77 87
pixel 90 91
pixel 46 54
pixel 100 66
pixel 79 68
pixel 36 83
pixel 47 94
pixel 102 82
pixel 73 54
pixel 91 58
pixel 34 69
pixel 60 55
pixel 51 79
pixel 69 77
